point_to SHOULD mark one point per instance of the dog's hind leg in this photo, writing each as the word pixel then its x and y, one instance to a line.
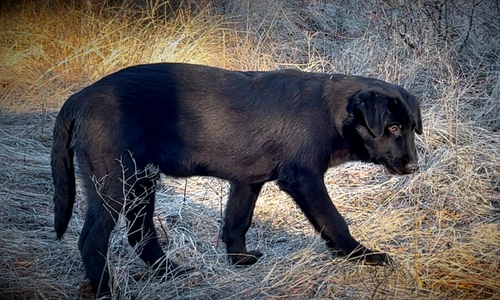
pixel 237 219
pixel 106 178
pixel 140 208
pixel 142 233
pixel 102 213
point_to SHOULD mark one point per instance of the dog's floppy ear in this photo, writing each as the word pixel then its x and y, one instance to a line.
pixel 418 119
pixel 414 106
pixel 374 110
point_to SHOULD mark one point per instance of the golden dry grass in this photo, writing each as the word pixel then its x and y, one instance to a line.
pixel 440 225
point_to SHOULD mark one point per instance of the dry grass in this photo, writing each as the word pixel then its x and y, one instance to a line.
pixel 441 225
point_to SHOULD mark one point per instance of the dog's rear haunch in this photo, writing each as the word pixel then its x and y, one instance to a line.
pixel 244 127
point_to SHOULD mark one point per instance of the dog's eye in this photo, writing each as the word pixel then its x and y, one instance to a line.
pixel 395 129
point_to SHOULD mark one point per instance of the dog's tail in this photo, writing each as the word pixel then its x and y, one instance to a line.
pixel 63 169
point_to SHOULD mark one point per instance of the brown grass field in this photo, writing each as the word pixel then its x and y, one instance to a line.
pixel 441 225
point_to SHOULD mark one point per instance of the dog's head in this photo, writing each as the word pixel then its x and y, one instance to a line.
pixel 382 127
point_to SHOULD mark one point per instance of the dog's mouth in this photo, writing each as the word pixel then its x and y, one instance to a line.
pixel 394 171
pixel 393 167
pixel 401 170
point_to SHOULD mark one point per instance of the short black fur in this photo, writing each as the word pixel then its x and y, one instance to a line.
pixel 245 127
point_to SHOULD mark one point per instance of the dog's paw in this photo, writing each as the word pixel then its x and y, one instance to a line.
pixel 85 290
pixel 377 259
pixel 170 269
pixel 245 259
pixel 370 257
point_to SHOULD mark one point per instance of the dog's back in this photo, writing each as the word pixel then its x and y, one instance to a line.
pixel 197 120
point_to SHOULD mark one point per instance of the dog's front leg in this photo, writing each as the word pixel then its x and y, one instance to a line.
pixel 237 219
pixel 308 190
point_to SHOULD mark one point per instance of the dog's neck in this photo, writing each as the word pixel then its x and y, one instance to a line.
pixel 340 156
pixel 347 145
pixel 340 151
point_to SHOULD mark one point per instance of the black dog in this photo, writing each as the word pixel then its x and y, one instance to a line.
pixel 245 127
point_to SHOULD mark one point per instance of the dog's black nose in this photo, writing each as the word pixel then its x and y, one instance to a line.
pixel 411 168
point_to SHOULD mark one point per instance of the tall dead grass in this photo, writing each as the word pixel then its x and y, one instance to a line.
pixel 49 50
pixel 441 225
